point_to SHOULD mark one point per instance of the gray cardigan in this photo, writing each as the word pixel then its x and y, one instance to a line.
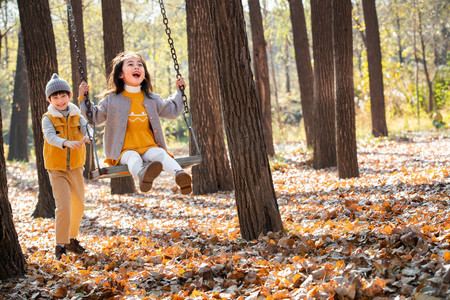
pixel 114 109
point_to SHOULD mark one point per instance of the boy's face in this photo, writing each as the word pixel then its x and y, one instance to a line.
pixel 60 101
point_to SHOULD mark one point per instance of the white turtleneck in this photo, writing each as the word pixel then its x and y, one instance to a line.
pixel 132 89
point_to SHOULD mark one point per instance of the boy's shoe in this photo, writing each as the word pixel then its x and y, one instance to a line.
pixel 148 174
pixel 59 251
pixel 75 247
pixel 184 181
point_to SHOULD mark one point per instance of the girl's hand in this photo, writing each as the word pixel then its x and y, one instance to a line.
pixel 180 83
pixel 83 89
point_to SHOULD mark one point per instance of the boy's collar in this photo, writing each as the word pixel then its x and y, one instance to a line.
pixel 71 108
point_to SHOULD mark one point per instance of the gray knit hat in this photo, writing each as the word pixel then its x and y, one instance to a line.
pixel 56 84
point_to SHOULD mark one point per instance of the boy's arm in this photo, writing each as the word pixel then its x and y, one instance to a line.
pixel 50 133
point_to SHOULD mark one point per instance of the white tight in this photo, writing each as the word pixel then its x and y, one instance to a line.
pixel 135 162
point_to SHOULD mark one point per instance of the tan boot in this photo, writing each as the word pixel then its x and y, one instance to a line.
pixel 184 181
pixel 148 174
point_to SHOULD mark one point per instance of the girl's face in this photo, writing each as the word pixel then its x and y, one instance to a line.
pixel 133 72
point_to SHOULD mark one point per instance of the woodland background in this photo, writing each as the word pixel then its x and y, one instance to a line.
pixel 382 232
pixel 144 32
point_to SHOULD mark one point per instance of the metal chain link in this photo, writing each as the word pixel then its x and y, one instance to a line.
pixel 80 63
pixel 176 66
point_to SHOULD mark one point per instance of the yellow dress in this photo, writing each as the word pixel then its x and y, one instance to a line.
pixel 139 136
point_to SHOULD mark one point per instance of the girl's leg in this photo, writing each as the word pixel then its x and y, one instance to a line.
pixel 170 165
pixel 135 165
pixel 133 160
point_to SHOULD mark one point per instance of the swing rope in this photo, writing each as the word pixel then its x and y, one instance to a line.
pixel 86 96
pixel 121 170
pixel 186 113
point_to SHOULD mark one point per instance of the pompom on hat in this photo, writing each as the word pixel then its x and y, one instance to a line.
pixel 56 84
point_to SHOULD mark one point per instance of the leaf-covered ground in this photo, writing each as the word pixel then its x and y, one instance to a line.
pixel 384 235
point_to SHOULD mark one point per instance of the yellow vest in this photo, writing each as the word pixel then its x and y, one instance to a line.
pixel 55 158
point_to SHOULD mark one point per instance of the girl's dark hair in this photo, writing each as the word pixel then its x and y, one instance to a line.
pixel 116 85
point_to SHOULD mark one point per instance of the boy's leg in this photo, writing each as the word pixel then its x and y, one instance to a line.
pixel 61 193
pixel 77 200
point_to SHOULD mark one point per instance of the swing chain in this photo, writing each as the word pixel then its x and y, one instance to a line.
pixel 176 66
pixel 80 63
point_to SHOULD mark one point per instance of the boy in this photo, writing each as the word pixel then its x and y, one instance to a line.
pixel 65 133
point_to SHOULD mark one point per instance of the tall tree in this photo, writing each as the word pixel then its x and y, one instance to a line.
pixel 261 69
pixel 18 133
pixel 377 106
pixel 324 106
pixel 424 62
pixel 40 58
pixel 255 195
pixel 304 68
pixel 12 262
pixel 214 173
pixel 347 160
pixel 113 44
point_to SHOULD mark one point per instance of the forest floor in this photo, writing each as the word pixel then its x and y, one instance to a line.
pixel 384 235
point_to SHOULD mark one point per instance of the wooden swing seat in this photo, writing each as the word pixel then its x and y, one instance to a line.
pixel 122 170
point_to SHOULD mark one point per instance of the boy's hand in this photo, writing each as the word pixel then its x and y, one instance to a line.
pixel 83 89
pixel 85 139
pixel 180 83
pixel 73 144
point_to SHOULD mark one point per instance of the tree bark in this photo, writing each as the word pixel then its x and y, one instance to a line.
pixel 18 133
pixel 40 58
pixel 304 68
pixel 347 160
pixel 425 65
pixel 261 69
pixel 377 105
pixel 113 44
pixel 255 195
pixel 214 173
pixel 324 106
pixel 12 261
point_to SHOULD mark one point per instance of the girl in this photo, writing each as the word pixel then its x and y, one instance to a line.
pixel 133 133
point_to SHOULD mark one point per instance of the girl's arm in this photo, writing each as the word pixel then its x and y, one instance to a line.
pixel 172 106
pixel 99 111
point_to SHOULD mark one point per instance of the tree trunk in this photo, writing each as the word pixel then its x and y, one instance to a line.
pixel 377 105
pixel 286 65
pixel 18 133
pixel 304 68
pixel 425 66
pixel 12 261
pixel 324 106
pixel 112 31
pixel 214 173
pixel 255 195
pixel 261 69
pixel 347 160
pixel 113 44
pixel 40 58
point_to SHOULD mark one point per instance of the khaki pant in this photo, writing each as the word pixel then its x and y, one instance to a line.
pixel 68 191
